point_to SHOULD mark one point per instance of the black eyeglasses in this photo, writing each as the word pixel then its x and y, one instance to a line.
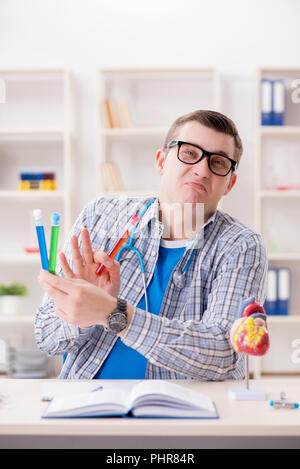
pixel 189 153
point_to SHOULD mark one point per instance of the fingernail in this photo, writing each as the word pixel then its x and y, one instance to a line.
pixel 109 263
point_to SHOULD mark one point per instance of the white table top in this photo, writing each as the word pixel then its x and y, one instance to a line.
pixel 21 410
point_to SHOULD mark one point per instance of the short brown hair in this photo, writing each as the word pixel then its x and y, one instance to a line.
pixel 213 120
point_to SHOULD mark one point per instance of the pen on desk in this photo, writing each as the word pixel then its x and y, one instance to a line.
pixel 283 403
pixel 41 238
pixel 118 244
pixel 54 242
pixel 98 388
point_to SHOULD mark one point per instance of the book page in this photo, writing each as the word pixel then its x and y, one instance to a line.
pixel 160 393
pixel 51 389
pixel 102 402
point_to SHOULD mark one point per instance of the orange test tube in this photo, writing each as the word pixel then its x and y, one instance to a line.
pixel 118 244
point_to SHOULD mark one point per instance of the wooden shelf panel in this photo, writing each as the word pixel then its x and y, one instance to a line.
pixel 279 130
pixel 15 319
pixel 19 258
pixel 289 319
pixel 143 131
pixel 279 194
pixel 284 256
pixel 39 194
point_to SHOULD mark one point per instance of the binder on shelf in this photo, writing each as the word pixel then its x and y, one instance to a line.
pixel 272 102
pixel 278 292
pixel 266 102
pixel 271 299
pixel 278 107
pixel 284 288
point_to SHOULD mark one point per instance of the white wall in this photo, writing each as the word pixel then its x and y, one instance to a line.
pixel 234 36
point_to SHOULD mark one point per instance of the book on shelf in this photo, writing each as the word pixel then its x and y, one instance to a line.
pixel 111 178
pixel 115 115
pixel 106 114
pixel 124 116
pixel 147 398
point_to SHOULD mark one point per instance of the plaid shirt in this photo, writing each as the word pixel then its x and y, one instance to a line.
pixel 190 338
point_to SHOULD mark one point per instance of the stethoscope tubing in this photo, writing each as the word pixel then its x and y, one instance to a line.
pixel 129 245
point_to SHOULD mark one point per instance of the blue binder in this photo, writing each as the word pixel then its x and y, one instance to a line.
pixel 278 102
pixel 284 289
pixel 266 102
pixel 271 303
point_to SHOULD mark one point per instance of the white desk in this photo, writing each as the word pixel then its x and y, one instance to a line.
pixel 241 424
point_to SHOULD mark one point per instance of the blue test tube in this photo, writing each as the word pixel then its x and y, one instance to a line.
pixel 41 238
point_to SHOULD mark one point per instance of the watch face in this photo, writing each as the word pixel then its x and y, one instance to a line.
pixel 117 322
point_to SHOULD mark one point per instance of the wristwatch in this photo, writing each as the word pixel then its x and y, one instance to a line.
pixel 117 320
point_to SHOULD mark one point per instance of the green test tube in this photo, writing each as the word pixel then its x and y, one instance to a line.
pixel 54 242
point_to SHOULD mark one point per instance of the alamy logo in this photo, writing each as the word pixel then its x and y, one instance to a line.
pixel 295 96
pixel 2 91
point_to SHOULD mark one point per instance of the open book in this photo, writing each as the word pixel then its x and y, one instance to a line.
pixel 149 398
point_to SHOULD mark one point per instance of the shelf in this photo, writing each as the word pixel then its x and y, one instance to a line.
pixel 143 131
pixel 124 194
pixel 19 258
pixel 290 319
pixel 279 130
pixel 33 134
pixel 31 131
pixel 33 71
pixel 280 70
pixel 279 194
pixel 16 319
pixel 284 256
pixel 160 73
pixel 25 195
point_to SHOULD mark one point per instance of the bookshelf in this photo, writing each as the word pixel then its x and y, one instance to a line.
pixel 143 103
pixel 35 135
pixel 276 213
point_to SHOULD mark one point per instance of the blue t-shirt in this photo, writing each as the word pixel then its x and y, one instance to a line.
pixel 124 362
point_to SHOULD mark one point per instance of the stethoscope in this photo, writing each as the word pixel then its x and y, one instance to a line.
pixel 179 276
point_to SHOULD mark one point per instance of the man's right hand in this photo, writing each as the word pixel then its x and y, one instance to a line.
pixel 87 264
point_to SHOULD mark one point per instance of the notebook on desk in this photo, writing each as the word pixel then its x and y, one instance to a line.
pixel 149 398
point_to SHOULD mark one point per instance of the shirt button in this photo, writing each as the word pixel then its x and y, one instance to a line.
pixel 153 253
pixel 138 289
pixel 97 361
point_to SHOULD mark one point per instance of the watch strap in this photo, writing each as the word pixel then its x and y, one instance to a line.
pixel 121 306
pixel 117 320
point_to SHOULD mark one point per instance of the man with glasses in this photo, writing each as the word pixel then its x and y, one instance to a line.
pixel 185 331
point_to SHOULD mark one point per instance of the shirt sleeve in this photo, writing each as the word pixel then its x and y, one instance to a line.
pixel 53 335
pixel 201 349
